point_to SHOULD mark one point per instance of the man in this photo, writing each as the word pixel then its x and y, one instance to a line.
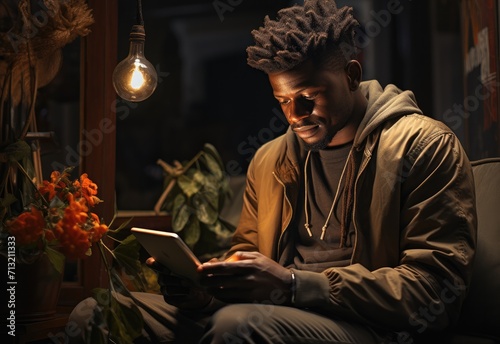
pixel 358 224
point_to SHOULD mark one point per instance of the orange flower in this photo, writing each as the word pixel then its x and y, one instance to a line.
pixel 74 242
pixel 49 235
pixel 98 230
pixel 55 176
pixel 76 210
pixel 27 227
pixel 88 190
pixel 47 190
pixel 56 186
pixel 70 232
pixel 69 222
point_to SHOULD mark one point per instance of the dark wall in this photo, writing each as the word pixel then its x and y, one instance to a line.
pixel 207 93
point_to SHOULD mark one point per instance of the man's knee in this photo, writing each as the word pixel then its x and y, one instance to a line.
pixel 236 323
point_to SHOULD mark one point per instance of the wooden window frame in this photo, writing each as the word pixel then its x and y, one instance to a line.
pixel 98 127
pixel 97 115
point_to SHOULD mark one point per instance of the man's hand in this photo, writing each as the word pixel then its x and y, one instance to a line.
pixel 178 291
pixel 247 277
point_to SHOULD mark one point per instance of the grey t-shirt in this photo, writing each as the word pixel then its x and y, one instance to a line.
pixel 324 173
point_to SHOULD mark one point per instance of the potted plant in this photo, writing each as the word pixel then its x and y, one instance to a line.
pixel 195 192
pixel 31 38
pixel 47 221
pixel 55 224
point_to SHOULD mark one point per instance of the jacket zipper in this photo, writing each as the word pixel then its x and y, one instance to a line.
pixel 356 230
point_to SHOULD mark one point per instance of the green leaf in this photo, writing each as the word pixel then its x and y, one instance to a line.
pixel 213 165
pixel 17 151
pixel 98 335
pixel 127 255
pixel 115 232
pixel 98 325
pixel 198 176
pixel 212 184
pixel 180 213
pixel 56 258
pixel 190 184
pixel 219 230
pixel 102 296
pixel 168 205
pixel 7 200
pixel 57 203
pixel 191 234
pixel 205 205
pixel 120 315
pixel 212 151
pixel 213 240
pixel 125 321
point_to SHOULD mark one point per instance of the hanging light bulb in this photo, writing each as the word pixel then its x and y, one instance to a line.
pixel 135 78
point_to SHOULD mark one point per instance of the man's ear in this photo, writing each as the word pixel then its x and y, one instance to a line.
pixel 354 71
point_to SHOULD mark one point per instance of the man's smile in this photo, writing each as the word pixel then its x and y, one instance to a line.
pixel 306 131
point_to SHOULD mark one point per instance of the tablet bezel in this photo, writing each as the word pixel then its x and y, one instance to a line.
pixel 168 249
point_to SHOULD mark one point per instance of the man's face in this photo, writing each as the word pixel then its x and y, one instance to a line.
pixel 317 103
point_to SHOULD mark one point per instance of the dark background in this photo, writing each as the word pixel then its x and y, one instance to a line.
pixel 208 94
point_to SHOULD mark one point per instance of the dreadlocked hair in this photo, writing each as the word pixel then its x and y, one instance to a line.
pixel 317 30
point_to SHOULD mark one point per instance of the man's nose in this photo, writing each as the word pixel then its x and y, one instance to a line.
pixel 297 111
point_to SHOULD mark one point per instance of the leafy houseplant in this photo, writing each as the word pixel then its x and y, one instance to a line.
pixel 194 194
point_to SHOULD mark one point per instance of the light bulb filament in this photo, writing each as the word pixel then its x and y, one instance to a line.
pixel 137 79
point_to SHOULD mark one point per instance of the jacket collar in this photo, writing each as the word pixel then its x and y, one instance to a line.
pixel 291 159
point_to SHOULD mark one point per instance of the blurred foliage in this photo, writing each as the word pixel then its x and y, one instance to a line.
pixel 194 193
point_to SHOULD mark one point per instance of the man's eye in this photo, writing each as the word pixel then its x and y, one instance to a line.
pixel 284 102
pixel 310 96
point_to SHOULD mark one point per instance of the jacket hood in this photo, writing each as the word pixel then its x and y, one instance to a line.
pixel 383 104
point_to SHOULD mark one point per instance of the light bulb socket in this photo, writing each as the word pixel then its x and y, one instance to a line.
pixel 138 33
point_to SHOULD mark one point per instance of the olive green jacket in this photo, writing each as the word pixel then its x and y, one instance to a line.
pixel 413 215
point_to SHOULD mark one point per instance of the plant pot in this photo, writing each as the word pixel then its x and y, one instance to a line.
pixel 33 294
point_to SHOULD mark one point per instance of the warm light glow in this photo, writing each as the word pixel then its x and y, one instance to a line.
pixel 137 80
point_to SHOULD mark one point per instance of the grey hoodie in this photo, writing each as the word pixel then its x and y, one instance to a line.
pixel 383 104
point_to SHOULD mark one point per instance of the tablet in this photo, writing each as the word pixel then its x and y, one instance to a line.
pixel 168 249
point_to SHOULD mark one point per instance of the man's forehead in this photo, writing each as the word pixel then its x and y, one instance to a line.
pixel 296 79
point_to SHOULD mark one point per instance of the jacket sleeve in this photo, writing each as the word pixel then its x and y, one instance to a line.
pixel 437 233
pixel 245 237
